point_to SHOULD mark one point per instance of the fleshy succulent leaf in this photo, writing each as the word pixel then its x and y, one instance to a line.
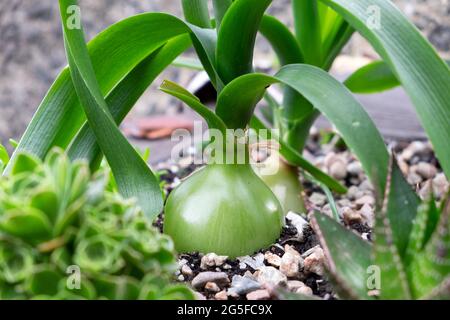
pixel 348 256
pixel 430 268
pixel 394 282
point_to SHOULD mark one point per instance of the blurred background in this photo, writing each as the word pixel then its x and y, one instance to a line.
pixel 32 54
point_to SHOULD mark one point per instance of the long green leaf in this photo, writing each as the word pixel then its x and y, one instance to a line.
pixel 196 12
pixel 133 176
pixel 423 74
pixel 213 121
pixel 348 256
pixel 122 45
pixel 282 40
pixel 237 100
pixel 220 8
pixel 376 76
pixel 236 39
pixel 308 30
pixel 125 95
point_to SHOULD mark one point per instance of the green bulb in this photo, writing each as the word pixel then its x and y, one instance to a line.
pixel 226 209
pixel 284 183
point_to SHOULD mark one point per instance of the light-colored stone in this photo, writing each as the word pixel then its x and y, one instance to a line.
pixel 354 168
pixel 354 193
pixel 291 262
pixel 199 296
pixel 305 290
pixel 212 260
pixel 413 178
pixel 336 165
pixel 212 287
pixel 425 170
pixel 270 276
pixel 318 199
pixel 299 223
pixel 414 148
pixel 338 170
pixel 186 270
pixel 272 259
pixel 220 278
pixel 222 295
pixel 370 200
pixel 258 295
pixel 315 262
pixel 368 215
pixel 242 285
pixel 350 216
pixel 254 262
pixel 440 186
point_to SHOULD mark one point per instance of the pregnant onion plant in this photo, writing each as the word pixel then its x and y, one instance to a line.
pixel 379 270
pixel 65 234
pixel 226 208
pixel 322 28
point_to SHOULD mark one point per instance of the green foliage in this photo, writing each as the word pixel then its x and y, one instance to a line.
pixel 420 271
pixel 57 219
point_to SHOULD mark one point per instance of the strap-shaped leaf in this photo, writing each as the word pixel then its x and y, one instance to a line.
pixel 431 268
pixel 308 30
pixel 60 116
pixel 394 281
pixel 295 158
pixel 423 74
pixel 236 39
pixel 133 176
pixel 196 12
pixel 237 101
pixel 220 8
pixel 376 76
pixel 125 95
pixel 348 256
pixel 213 121
pixel 282 40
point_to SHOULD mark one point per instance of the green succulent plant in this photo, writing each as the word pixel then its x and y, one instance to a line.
pixel 57 219
pixel 413 266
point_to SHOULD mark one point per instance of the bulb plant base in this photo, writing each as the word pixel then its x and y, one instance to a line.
pixel 223 208
pixel 285 183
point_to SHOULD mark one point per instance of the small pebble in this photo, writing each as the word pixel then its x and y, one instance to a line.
pixel 365 200
pixel 355 168
pixel 212 260
pixel 291 262
pixel 318 199
pixel 350 216
pixel 368 215
pixel 258 295
pixel 299 223
pixel 272 259
pixel 425 170
pixel 222 295
pixel 413 178
pixel 315 262
pixel 270 276
pixel 186 270
pixel 212 287
pixel 220 278
pixel 242 285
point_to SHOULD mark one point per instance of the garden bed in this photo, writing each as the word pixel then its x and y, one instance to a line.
pixel 296 261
